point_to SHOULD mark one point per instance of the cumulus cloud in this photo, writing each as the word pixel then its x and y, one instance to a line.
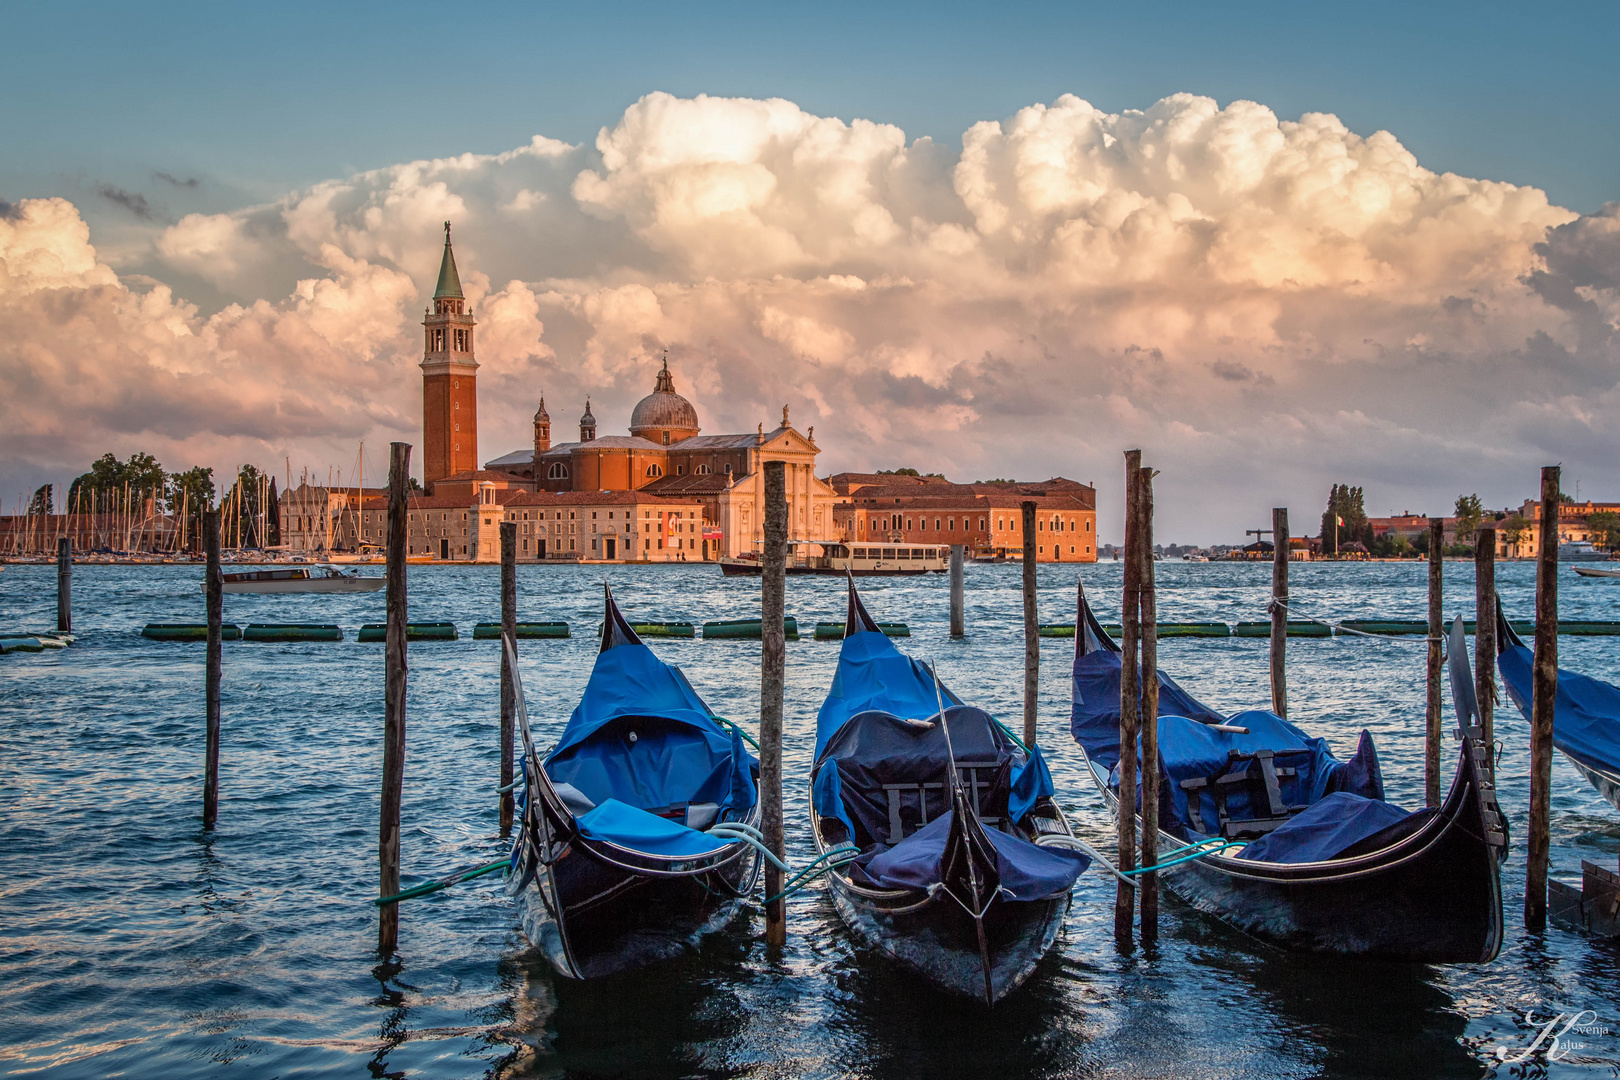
pixel 1229 289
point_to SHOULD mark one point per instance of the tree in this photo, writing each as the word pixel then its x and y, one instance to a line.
pixel 191 494
pixel 1513 527
pixel 115 485
pixel 898 472
pixel 1469 514
pixel 42 504
pixel 1604 528
pixel 1345 504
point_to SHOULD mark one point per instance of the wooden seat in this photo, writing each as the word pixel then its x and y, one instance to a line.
pixel 979 778
pixel 1256 775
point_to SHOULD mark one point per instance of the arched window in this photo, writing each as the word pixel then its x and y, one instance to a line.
pixel 654 471
pixel 702 470
pixel 666 438
pixel 558 471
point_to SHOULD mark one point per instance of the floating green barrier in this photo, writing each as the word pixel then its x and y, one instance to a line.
pixel 292 632
pixel 1386 626
pixel 1298 628
pixel 664 629
pixel 21 644
pixel 485 631
pixel 415 631
pixel 158 631
pixel 1165 630
pixel 827 631
pixel 748 628
pixel 1064 629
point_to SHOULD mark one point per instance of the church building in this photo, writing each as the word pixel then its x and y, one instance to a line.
pixel 665 457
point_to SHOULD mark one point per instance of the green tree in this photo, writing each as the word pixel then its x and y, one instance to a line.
pixel 116 485
pixel 191 494
pixel 1345 503
pixel 1470 512
pixel 42 503
pixel 1513 528
pixel 1604 528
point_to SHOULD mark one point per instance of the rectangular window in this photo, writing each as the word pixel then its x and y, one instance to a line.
pixel 950 524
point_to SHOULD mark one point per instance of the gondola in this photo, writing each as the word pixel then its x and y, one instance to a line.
pixel 1586 712
pixel 964 862
pixel 1326 865
pixel 629 847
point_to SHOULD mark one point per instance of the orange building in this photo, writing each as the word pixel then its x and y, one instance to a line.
pixel 986 518
pixel 449 379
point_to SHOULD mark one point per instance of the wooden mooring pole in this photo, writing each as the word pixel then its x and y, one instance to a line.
pixel 393 772
pixel 1130 615
pixel 1032 625
pixel 958 621
pixel 1434 734
pixel 1485 637
pixel 1543 695
pixel 772 683
pixel 1149 721
pixel 508 685
pixel 1279 611
pixel 64 585
pixel 215 604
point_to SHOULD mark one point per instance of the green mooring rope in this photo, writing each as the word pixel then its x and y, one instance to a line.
pixel 443 883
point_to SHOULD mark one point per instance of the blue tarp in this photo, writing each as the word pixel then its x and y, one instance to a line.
pixel 643 737
pixel 1027 871
pixel 1194 751
pixel 627 826
pixel 1329 827
pixel 1094 714
pixel 873 675
pixel 1586 712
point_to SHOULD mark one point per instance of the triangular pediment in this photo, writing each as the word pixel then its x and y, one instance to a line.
pixel 788 439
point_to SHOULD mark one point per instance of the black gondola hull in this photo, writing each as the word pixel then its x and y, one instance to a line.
pixel 1606 783
pixel 598 910
pixel 1432 897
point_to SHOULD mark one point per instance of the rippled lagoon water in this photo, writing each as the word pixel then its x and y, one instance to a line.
pixel 134 943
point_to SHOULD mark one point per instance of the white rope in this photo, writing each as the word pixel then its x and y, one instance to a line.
pixel 1338 627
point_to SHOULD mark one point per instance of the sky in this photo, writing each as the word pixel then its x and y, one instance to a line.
pixel 1275 247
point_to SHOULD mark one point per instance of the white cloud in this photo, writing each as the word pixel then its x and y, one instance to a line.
pixel 1229 288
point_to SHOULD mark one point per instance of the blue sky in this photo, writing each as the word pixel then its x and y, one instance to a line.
pixel 218 224
pixel 257 99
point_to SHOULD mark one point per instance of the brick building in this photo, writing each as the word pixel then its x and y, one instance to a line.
pixel 986 518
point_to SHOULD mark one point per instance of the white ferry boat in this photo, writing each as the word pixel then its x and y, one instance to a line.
pixel 861 560
pixel 298 579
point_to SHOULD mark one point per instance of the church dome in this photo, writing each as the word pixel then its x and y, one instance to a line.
pixel 664 410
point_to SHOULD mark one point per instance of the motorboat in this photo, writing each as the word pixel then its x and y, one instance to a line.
pixel 298 579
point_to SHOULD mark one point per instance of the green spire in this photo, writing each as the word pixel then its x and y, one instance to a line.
pixel 449 280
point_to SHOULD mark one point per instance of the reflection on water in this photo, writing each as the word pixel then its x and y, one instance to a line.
pixel 132 941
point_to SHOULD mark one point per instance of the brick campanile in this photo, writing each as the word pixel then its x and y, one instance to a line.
pixel 449 379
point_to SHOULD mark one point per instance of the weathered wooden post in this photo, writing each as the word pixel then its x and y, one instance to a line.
pixel 215 604
pixel 1149 889
pixel 1129 695
pixel 64 585
pixel 958 623
pixel 1543 694
pixel 1279 611
pixel 1032 626
pixel 508 685
pixel 393 776
pixel 1485 637
pixel 772 680
pixel 1433 731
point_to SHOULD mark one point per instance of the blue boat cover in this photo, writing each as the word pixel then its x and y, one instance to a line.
pixel 642 736
pixel 1028 872
pixel 1094 715
pixel 627 826
pixel 873 675
pixel 1325 830
pixel 1194 751
pixel 1586 712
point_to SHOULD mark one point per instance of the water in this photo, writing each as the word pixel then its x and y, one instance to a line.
pixel 134 943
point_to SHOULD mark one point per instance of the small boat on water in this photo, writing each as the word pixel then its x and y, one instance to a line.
pixel 1582 551
pixel 298 579
pixel 859 560
pixel 1586 711
pixel 961 861
pixel 1326 864
pixel 630 846
pixel 1596 571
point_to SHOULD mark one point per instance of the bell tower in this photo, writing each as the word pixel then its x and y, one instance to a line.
pixel 449 379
